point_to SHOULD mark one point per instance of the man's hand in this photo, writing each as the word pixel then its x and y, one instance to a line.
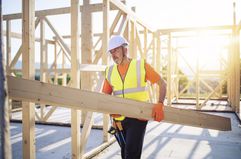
pixel 157 112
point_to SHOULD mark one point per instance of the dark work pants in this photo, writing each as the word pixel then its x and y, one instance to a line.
pixel 134 132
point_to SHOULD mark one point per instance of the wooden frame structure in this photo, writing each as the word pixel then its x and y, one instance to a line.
pixel 144 43
pixel 229 72
pixel 125 23
pixel 174 55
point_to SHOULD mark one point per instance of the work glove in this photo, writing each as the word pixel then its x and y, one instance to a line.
pixel 157 112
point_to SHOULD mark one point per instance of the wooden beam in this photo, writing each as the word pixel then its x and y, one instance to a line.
pixel 86 42
pixel 123 25
pixel 131 14
pixel 86 55
pixel 169 67
pixel 56 11
pixel 19 36
pixel 8 45
pixel 43 53
pixel 86 132
pixel 105 39
pixel 133 43
pixel 36 91
pixel 28 113
pixel 75 76
pixel 106 29
pixel 95 151
pixel 5 142
pixel 43 61
pixel 223 27
pixel 82 68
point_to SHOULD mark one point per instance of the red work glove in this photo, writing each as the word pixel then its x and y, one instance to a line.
pixel 157 112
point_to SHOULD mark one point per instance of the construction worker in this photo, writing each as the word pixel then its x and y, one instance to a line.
pixel 127 78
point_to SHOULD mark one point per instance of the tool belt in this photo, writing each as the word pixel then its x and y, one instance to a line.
pixel 117 130
pixel 121 118
pixel 116 126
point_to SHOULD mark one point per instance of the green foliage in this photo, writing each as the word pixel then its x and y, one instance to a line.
pixel 60 81
pixel 19 74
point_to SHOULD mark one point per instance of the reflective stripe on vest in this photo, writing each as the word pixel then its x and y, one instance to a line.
pixel 129 90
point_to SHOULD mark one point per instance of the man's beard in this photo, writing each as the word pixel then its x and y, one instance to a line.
pixel 117 61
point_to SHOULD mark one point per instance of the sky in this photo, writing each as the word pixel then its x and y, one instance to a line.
pixel 185 13
pixel 158 14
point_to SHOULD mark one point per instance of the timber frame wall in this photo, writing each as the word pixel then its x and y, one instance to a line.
pixel 226 73
pixel 85 73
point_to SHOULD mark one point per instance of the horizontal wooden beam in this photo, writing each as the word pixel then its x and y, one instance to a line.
pixel 82 68
pixel 19 36
pixel 98 7
pixel 55 11
pixel 39 92
pixel 91 67
pixel 223 27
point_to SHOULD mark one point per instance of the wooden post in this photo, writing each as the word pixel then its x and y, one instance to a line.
pixel 106 30
pixel 158 52
pixel 75 77
pixel 28 117
pixel 105 39
pixel 132 46
pixel 86 46
pixel 158 56
pixel 5 148
pixel 197 72
pixel 8 56
pixel 64 74
pixel 86 58
pixel 145 42
pixel 43 52
pixel 236 61
pixel 55 63
pixel 8 45
pixel 134 38
pixel 43 61
pixel 169 71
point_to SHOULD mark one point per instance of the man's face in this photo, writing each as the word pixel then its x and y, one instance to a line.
pixel 117 54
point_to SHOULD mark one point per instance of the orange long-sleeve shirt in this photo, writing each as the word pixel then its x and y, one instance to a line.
pixel 151 75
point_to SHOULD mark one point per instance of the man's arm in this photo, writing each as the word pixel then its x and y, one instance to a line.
pixel 162 90
pixel 154 77
pixel 107 89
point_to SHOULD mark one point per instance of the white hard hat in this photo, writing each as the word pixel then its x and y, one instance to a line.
pixel 116 41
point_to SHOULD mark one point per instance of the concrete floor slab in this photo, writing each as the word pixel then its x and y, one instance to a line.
pixel 162 140
pixel 51 141
pixel 173 141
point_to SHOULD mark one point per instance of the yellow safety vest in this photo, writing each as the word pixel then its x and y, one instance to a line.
pixel 134 84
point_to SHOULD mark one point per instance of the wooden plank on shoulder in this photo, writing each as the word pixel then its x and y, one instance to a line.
pixel 40 92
